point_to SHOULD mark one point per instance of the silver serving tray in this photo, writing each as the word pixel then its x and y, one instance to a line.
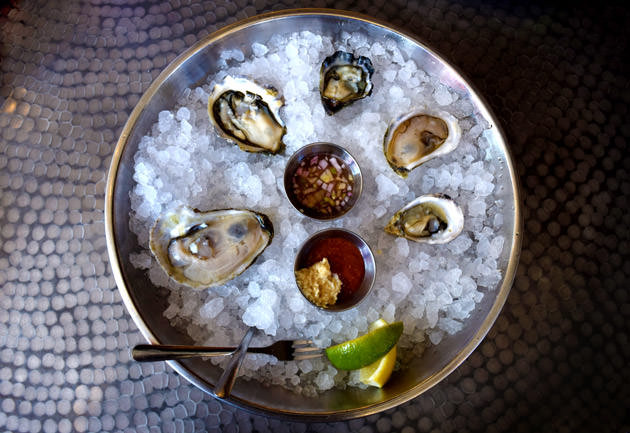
pixel 146 305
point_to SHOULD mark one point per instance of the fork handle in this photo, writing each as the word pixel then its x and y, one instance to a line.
pixel 224 385
pixel 166 352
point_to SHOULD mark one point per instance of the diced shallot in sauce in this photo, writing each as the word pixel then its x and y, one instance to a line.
pixel 323 185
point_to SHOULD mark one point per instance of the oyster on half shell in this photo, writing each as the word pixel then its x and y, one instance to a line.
pixel 431 218
pixel 247 114
pixel 417 137
pixel 205 249
pixel 344 79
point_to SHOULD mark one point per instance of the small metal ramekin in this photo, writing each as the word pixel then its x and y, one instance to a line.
pixel 368 261
pixel 321 148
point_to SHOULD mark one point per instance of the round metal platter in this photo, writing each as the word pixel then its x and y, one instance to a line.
pixel 140 297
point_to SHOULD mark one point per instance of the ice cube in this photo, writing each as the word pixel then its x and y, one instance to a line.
pixel 402 247
pixel 496 247
pixel 431 311
pixel 296 304
pixel 183 114
pixel 419 262
pixel 390 75
pixel 401 284
pixel 379 211
pixel 324 381
pixel 436 336
pixel 259 49
pixel 254 289
pixel 259 315
pixel 305 365
pixel 386 187
pixel 442 95
pixel 211 309
pixel 389 313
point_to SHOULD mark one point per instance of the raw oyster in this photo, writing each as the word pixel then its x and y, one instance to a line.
pixel 431 218
pixel 247 114
pixel 417 137
pixel 205 249
pixel 344 79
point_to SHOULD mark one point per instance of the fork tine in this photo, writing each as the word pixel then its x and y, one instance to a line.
pixel 303 357
pixel 303 343
pixel 305 349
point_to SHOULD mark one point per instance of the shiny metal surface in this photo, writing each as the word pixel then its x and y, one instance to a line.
pixel 190 69
pixel 283 350
pixel 368 261
pixel 225 383
pixel 556 359
pixel 311 150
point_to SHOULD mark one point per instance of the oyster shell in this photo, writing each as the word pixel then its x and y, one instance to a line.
pixel 344 79
pixel 247 114
pixel 417 137
pixel 205 249
pixel 431 218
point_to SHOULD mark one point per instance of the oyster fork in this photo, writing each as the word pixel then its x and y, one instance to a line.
pixel 283 350
pixel 224 385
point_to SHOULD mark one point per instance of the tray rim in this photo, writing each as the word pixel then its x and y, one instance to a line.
pixel 323 416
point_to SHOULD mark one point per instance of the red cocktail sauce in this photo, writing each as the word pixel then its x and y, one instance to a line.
pixel 345 260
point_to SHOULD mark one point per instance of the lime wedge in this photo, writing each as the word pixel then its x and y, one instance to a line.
pixel 366 349
pixel 378 373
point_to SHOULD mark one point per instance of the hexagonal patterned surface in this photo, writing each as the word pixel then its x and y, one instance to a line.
pixel 558 357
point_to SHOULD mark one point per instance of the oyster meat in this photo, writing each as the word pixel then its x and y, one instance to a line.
pixel 205 249
pixel 344 79
pixel 247 114
pixel 417 137
pixel 431 218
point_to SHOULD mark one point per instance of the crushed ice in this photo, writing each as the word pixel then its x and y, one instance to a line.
pixel 432 289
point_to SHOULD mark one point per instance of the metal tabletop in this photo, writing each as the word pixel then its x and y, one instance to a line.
pixel 557 358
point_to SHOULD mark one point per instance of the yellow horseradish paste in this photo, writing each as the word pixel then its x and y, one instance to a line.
pixel 319 284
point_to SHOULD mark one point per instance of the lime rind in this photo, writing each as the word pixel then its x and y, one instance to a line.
pixel 366 349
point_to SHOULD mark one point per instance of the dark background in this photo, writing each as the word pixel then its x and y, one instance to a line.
pixel 555 74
